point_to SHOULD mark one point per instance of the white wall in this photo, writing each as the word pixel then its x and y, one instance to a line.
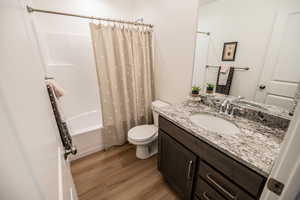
pixel 118 9
pixel 175 24
pixel 29 139
pixel 248 22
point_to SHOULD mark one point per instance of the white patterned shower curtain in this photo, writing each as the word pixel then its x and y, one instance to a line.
pixel 125 69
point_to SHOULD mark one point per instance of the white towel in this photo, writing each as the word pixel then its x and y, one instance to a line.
pixel 224 68
pixel 58 90
pixel 57 102
pixel 223 76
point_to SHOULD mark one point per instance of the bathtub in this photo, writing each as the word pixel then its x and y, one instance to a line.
pixel 85 122
pixel 85 130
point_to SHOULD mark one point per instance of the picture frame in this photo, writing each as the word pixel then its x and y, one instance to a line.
pixel 229 51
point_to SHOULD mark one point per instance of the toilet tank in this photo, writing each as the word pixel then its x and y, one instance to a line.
pixel 157 104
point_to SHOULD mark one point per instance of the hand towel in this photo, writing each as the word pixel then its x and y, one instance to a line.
pixel 223 75
pixel 224 68
pixel 54 100
pixel 59 117
pixel 224 81
pixel 58 90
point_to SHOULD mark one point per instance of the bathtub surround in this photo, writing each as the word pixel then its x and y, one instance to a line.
pixel 60 37
pixel 124 63
pixel 86 133
pixel 87 143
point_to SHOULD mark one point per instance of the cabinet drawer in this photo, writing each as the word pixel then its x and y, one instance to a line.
pixel 238 173
pixel 221 183
pixel 205 192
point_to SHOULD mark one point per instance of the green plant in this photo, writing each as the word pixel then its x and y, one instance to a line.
pixel 210 86
pixel 196 89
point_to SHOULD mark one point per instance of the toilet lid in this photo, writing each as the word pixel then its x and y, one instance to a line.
pixel 142 133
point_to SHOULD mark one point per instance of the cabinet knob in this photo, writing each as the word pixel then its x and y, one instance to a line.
pixel 262 87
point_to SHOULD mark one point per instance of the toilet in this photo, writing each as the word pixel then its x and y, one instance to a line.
pixel 145 136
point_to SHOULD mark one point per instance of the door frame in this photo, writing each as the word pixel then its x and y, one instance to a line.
pixel 287 166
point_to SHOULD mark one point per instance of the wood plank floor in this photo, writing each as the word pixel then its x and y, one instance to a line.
pixel 118 175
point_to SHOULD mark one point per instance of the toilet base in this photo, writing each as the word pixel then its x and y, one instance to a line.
pixel 147 150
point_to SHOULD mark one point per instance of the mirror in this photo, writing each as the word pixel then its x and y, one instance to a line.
pixel 249 49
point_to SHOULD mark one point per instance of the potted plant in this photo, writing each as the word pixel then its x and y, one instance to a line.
pixel 210 88
pixel 195 91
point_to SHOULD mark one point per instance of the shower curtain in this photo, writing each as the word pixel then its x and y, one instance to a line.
pixel 124 62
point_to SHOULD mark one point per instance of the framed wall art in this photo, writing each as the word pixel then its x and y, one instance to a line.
pixel 229 51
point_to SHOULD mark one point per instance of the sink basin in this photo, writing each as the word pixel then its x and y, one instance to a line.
pixel 215 124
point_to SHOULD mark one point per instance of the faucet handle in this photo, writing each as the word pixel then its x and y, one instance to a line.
pixel 234 109
pixel 239 98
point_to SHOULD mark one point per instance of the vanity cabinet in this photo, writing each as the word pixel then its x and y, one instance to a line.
pixel 177 164
pixel 197 170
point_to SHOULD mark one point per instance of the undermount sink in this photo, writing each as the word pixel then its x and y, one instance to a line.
pixel 213 123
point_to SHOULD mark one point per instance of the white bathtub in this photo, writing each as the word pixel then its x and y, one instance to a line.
pixel 85 123
pixel 85 130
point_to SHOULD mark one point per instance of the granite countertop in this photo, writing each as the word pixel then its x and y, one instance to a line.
pixel 269 109
pixel 256 146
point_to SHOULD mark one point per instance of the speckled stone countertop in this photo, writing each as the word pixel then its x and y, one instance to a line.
pixel 256 146
pixel 269 109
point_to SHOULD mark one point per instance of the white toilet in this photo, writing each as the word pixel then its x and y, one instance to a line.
pixel 145 136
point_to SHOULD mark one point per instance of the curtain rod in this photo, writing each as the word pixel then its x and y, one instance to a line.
pixel 240 68
pixel 201 32
pixel 30 10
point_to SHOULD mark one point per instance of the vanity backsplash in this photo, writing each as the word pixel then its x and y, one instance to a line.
pixel 268 115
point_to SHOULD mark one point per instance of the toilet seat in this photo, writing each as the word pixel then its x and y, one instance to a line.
pixel 143 133
pixel 145 136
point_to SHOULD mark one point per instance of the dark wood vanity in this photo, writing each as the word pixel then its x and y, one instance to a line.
pixel 196 170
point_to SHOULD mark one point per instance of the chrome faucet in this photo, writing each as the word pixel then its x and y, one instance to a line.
pixel 237 99
pixel 224 106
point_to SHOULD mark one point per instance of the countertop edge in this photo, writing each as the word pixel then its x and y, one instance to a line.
pixel 238 159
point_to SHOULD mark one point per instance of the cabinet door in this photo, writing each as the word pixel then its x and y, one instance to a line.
pixel 177 164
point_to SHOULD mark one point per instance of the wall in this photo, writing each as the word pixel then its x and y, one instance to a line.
pixel 174 29
pixel 30 143
pixel 248 22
